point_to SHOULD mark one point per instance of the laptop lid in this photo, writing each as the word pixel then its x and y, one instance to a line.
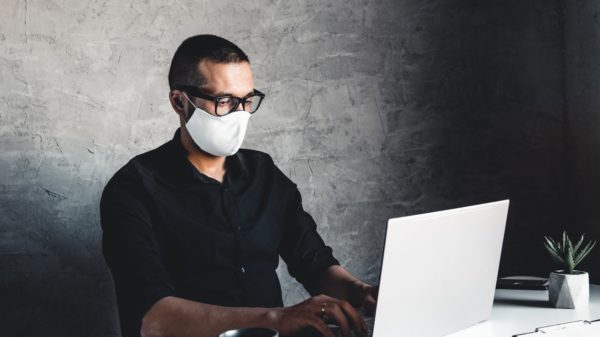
pixel 439 271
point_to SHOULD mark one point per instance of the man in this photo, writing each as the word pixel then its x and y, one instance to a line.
pixel 193 230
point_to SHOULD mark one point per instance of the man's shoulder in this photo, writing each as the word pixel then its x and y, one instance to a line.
pixel 257 162
pixel 252 156
pixel 138 165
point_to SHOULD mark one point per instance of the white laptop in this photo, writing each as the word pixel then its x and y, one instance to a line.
pixel 439 271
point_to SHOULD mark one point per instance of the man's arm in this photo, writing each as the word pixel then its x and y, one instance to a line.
pixel 339 283
pixel 173 317
pixel 311 261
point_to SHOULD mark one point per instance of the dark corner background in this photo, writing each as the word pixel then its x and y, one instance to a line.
pixel 376 109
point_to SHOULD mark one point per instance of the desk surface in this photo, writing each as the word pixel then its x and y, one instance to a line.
pixel 520 311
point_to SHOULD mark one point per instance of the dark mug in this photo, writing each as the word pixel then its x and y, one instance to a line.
pixel 250 332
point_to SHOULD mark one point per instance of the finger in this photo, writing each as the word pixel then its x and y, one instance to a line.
pixel 358 323
pixel 370 305
pixel 333 310
pixel 318 324
pixel 364 291
pixel 355 317
pixel 375 291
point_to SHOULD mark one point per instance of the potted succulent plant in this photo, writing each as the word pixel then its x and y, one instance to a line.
pixel 569 288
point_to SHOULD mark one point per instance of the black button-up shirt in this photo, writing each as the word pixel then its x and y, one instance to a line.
pixel 169 230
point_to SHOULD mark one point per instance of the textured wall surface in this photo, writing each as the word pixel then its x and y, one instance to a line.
pixel 375 109
pixel 583 121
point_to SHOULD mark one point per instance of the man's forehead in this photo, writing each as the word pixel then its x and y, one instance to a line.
pixel 212 70
pixel 226 78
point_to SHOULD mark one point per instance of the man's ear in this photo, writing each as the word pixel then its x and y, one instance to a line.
pixel 176 99
pixel 178 102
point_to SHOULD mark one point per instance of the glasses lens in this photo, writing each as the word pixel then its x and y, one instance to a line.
pixel 229 104
pixel 252 103
pixel 226 105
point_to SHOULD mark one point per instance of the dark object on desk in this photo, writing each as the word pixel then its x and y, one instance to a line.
pixel 337 331
pixel 524 283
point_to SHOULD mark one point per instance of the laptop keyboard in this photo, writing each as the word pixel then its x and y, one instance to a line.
pixel 370 321
pixel 337 331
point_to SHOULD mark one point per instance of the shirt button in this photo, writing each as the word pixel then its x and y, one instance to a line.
pixel 239 228
pixel 242 270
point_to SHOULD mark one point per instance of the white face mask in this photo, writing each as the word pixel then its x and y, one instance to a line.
pixel 219 136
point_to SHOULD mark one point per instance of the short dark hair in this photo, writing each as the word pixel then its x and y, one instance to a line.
pixel 184 66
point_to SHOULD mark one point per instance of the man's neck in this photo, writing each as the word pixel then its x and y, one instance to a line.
pixel 207 164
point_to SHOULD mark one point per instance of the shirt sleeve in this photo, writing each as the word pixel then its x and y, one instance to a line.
pixel 131 252
pixel 302 248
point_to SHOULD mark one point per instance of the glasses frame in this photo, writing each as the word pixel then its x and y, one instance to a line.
pixel 195 92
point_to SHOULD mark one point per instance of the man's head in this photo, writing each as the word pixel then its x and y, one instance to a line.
pixel 184 66
pixel 214 75
pixel 212 65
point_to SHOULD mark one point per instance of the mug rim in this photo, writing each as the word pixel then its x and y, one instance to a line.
pixel 274 333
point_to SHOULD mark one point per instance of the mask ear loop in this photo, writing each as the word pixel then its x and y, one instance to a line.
pixel 192 103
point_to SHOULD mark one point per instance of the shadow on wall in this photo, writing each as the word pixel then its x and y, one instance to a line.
pixel 54 280
pixel 483 117
pixel 583 122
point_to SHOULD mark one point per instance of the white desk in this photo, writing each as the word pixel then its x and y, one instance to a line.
pixel 520 311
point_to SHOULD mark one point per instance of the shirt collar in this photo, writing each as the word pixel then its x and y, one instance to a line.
pixel 235 168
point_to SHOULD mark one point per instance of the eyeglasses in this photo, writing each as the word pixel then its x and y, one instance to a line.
pixel 226 104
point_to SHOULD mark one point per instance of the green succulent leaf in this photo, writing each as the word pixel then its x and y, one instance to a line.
pixel 566 253
pixel 569 244
pixel 552 245
pixel 569 258
pixel 555 244
pixel 578 244
pixel 584 252
pixel 554 254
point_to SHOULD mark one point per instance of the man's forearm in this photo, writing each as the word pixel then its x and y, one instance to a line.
pixel 339 283
pixel 177 317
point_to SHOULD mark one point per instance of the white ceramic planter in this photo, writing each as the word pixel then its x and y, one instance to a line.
pixel 569 291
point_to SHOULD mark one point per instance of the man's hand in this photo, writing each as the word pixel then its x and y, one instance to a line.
pixel 339 283
pixel 364 296
pixel 313 313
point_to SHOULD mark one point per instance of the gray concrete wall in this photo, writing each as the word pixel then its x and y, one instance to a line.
pixel 583 121
pixel 375 108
